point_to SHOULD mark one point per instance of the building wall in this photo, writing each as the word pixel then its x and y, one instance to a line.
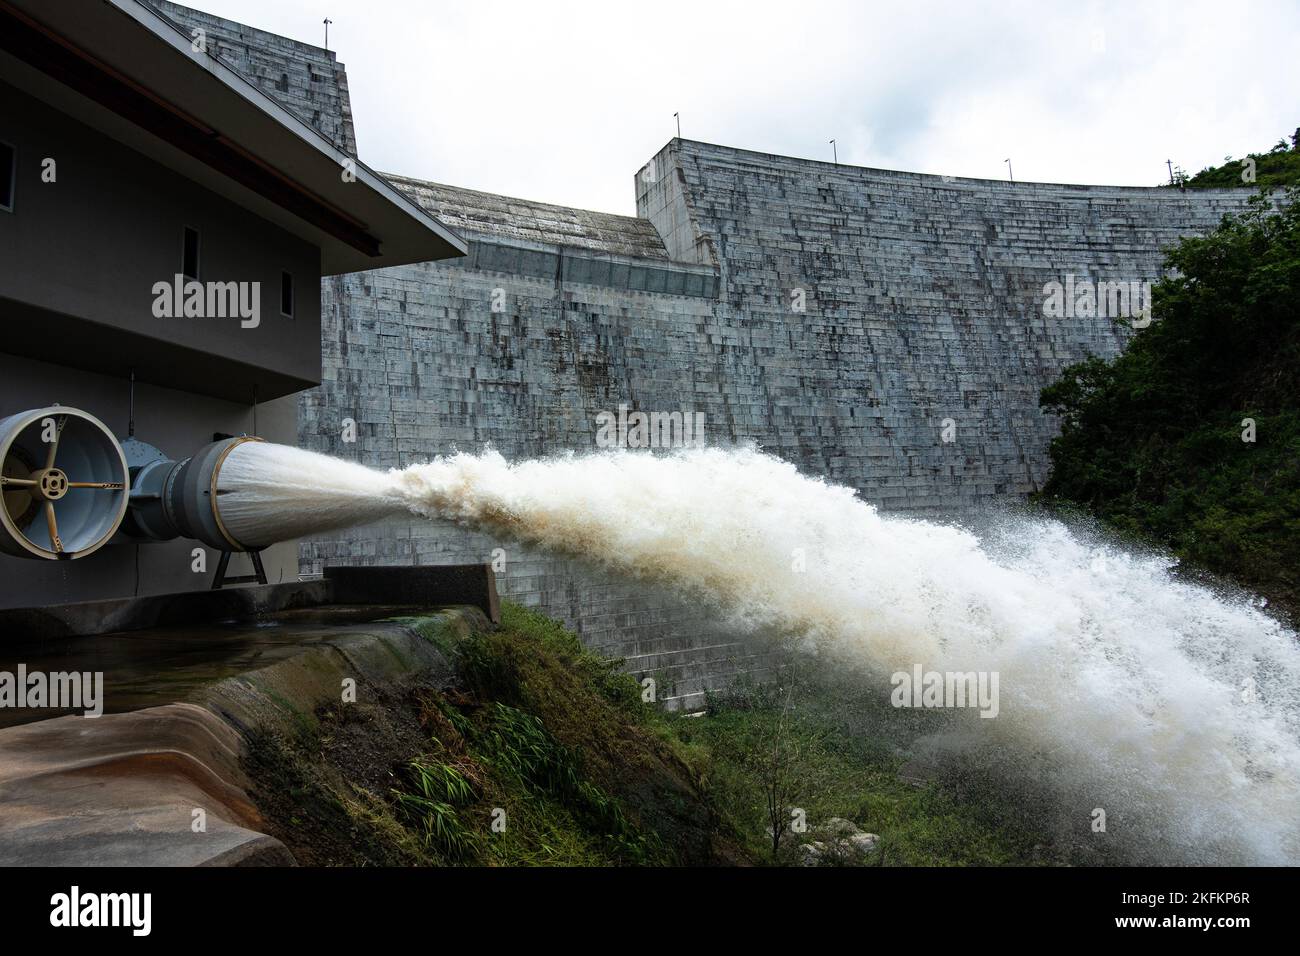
pixel 87 249
pixel 80 256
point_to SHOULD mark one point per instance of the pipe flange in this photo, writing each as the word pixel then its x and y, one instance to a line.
pixel 213 493
pixel 191 497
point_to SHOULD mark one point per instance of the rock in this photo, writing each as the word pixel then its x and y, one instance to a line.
pixel 811 853
pixel 864 842
pixel 844 843
pixel 838 826
pixel 917 772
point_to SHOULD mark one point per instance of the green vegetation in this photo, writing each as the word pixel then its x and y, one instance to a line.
pixel 540 754
pixel 1191 438
pixel 556 748
pixel 832 751
pixel 1279 167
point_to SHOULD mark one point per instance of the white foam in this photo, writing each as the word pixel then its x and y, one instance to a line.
pixel 1128 689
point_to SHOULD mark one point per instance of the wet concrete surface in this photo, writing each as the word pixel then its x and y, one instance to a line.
pixel 159 666
pixel 127 788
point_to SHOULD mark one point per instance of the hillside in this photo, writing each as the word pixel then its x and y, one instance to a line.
pixel 1280 166
pixel 1191 438
pixel 540 753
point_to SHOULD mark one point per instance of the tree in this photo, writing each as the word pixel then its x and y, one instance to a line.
pixel 776 765
pixel 1153 441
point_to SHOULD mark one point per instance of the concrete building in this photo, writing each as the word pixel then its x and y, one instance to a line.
pixel 133 154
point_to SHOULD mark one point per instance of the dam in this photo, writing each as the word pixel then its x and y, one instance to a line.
pixel 884 330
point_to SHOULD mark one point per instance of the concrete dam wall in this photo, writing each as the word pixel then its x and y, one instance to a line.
pixel 883 329
pixel 924 301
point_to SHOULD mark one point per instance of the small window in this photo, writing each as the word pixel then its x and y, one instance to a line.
pixel 8 173
pixel 190 254
pixel 286 294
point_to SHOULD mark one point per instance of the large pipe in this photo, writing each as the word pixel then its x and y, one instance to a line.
pixel 266 492
pixel 242 494
pixel 69 485
pixel 181 499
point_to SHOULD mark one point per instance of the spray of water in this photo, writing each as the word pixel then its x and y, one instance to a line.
pixel 1160 701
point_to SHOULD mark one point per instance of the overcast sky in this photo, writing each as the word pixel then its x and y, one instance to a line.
pixel 564 101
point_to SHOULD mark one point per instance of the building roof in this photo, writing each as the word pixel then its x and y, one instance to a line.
pixel 504 217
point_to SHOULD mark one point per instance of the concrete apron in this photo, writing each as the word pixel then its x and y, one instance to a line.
pixel 123 789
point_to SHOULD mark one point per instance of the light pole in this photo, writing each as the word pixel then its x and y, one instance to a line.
pixel 835 153
pixel 1009 175
pixel 328 21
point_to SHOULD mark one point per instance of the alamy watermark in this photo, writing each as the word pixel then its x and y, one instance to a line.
pixel 133 911
pixel 58 690
pixel 208 300
pixel 628 429
pixel 935 689
pixel 1083 298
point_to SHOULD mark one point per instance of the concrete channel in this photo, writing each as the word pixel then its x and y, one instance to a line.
pixel 186 680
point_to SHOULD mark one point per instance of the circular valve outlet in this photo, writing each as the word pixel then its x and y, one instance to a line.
pixel 64 484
